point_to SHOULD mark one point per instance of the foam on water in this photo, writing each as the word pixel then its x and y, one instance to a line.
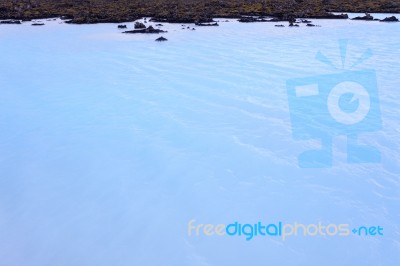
pixel 110 143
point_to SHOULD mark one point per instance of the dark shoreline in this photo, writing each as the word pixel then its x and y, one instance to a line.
pixel 185 11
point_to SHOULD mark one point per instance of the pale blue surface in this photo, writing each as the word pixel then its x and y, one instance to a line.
pixel 111 143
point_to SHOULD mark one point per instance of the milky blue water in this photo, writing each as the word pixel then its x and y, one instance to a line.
pixel 111 143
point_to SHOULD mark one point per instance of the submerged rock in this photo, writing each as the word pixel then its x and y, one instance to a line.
pixel 122 27
pixel 161 39
pixel 390 19
pixel 10 22
pixel 280 25
pixel 150 29
pixel 38 24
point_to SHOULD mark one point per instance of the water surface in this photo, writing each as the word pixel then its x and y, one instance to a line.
pixel 111 143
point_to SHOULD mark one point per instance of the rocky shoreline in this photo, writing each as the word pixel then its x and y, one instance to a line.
pixel 140 27
pixel 186 11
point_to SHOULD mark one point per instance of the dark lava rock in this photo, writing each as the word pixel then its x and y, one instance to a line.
pixel 293 25
pixel 10 22
pixel 207 24
pixel 150 29
pixel 310 25
pixel 161 39
pixel 280 25
pixel 38 24
pixel 390 19
pixel 330 16
pixel 193 29
pixel 122 27
pixel 139 25
pixel 305 21
pixel 367 17
pixel 159 25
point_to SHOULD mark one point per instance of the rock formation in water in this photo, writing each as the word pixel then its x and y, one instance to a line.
pixel 390 19
pixel 10 22
pixel 367 17
pixel 150 30
pixel 161 39
pixel 139 25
